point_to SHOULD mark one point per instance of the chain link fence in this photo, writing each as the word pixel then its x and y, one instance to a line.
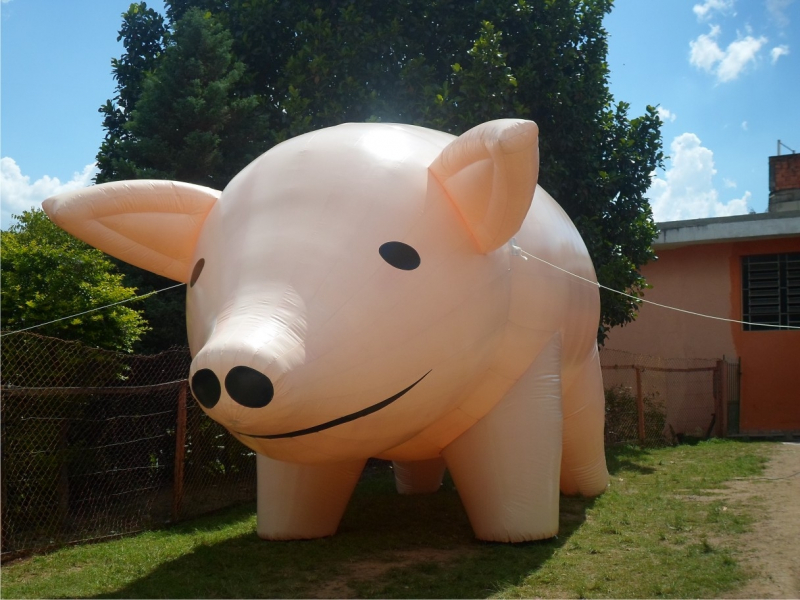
pixel 98 443
pixel 653 401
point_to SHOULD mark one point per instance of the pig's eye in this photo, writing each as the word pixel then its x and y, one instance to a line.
pixel 198 268
pixel 400 255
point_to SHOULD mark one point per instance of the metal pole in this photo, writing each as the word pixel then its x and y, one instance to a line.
pixel 719 402
pixel 640 405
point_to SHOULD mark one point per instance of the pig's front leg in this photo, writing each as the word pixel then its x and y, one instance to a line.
pixel 298 501
pixel 506 467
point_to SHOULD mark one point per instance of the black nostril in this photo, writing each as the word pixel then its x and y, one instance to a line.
pixel 206 388
pixel 249 387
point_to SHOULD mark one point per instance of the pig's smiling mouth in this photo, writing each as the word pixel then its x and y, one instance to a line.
pixel 341 420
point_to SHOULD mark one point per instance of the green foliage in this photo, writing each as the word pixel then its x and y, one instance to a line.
pixel 48 274
pixel 238 76
pixel 485 85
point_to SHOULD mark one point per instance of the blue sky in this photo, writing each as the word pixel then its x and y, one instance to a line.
pixel 725 73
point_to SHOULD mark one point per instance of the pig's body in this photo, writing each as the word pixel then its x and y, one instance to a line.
pixel 353 294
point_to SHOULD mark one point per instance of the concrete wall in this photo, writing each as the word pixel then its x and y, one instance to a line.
pixel 694 278
pixel 706 278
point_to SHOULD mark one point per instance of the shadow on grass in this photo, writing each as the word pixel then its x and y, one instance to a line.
pixel 627 458
pixel 387 546
pixel 212 521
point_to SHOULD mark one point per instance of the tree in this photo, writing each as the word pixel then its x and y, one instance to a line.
pixel 48 274
pixel 142 33
pixel 189 122
pixel 449 65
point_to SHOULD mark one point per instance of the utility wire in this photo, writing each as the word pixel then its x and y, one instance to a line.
pixel 93 309
pixel 688 312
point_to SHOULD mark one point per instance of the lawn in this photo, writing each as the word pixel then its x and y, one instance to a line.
pixel 663 529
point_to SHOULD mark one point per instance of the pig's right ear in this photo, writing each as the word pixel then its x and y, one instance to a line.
pixel 148 223
pixel 490 174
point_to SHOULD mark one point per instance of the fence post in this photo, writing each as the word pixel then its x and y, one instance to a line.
pixel 733 401
pixel 180 450
pixel 721 425
pixel 640 405
pixel 63 476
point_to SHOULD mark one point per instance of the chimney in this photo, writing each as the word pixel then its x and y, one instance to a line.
pixel 784 182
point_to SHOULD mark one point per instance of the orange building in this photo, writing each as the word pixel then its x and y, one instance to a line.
pixel 745 268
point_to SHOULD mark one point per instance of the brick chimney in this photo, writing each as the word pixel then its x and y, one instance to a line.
pixel 784 182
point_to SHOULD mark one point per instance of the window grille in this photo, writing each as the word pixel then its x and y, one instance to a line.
pixel 771 291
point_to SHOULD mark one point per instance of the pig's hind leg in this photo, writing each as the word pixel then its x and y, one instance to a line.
pixel 506 466
pixel 302 501
pixel 418 476
pixel 583 465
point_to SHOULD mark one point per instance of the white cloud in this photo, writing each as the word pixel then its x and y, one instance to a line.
pixel 777 10
pixel 745 125
pixel 778 51
pixel 17 193
pixel 726 64
pixel 704 11
pixel 728 183
pixel 705 52
pixel 666 114
pixel 686 190
pixel 737 206
pixel 738 55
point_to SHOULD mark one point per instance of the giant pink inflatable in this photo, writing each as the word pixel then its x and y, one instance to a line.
pixel 359 292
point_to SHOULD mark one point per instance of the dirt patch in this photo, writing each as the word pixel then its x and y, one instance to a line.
pixel 772 549
pixel 367 570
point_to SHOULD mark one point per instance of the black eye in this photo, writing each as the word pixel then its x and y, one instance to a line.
pixel 198 268
pixel 400 255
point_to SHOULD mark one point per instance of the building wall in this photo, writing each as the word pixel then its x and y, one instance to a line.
pixel 706 278
pixel 695 278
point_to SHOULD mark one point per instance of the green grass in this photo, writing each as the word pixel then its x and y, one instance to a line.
pixel 659 531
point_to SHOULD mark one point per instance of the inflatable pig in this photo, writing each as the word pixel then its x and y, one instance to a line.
pixel 364 291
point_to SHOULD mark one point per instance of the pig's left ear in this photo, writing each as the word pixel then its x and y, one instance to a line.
pixel 490 174
pixel 149 223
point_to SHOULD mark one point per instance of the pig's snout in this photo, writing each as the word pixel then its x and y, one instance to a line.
pixel 255 342
pixel 244 385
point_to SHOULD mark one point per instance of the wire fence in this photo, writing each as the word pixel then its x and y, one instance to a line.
pixel 653 401
pixel 98 444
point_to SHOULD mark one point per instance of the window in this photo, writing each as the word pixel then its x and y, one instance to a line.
pixel 771 290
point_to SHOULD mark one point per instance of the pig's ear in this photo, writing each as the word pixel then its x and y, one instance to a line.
pixel 490 174
pixel 151 224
